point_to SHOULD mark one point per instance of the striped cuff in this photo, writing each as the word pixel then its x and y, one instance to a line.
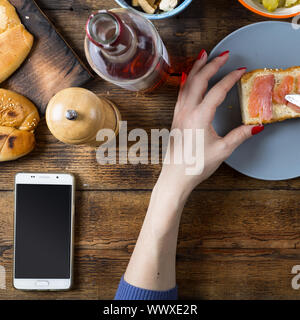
pixel 128 292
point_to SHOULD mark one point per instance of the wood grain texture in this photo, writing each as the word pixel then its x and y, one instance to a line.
pixel 51 66
pixel 239 237
pixel 51 155
pixel 250 258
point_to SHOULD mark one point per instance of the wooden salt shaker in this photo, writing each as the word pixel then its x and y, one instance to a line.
pixel 75 115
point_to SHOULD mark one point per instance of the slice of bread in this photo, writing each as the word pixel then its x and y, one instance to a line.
pixel 280 111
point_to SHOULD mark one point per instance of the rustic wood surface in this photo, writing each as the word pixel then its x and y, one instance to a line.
pixel 239 237
pixel 51 65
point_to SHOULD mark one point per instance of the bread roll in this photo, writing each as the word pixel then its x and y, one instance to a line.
pixel 18 116
pixel 15 45
pixel 15 143
pixel 17 111
pixel 15 41
pixel 8 16
pixel 18 119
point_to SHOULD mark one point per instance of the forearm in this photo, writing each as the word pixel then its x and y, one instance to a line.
pixel 152 265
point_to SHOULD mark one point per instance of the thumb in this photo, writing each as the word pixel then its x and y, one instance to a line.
pixel 240 134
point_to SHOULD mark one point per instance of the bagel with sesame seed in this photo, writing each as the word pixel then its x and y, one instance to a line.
pixel 18 120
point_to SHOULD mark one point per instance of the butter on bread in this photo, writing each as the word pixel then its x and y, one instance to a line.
pixel 280 111
pixel 18 119
pixel 15 41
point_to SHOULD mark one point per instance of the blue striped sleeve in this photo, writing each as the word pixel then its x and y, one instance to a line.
pixel 128 292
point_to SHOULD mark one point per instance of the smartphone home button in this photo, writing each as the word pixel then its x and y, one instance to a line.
pixel 42 283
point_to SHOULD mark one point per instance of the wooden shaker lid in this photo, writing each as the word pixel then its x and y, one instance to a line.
pixel 75 115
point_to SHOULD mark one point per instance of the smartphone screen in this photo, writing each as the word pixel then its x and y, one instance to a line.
pixel 43 231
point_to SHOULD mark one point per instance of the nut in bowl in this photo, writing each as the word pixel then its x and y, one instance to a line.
pixel 156 9
pixel 276 9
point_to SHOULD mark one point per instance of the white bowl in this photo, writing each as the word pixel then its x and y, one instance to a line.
pixel 158 16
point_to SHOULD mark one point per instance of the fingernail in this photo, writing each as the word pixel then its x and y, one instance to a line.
pixel 183 78
pixel 223 53
pixel 242 68
pixel 257 129
pixel 201 54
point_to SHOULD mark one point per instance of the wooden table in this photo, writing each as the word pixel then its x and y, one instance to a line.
pixel 239 237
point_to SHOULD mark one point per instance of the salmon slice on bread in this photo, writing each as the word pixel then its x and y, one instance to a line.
pixel 262 95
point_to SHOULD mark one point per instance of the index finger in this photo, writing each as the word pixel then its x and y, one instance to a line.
pixel 197 82
pixel 218 92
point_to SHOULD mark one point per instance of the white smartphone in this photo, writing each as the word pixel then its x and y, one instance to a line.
pixel 43 237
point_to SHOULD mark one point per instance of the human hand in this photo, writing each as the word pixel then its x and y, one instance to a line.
pixel 195 109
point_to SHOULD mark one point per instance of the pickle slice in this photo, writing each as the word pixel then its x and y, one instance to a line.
pixel 282 3
pixel 271 5
pixel 289 3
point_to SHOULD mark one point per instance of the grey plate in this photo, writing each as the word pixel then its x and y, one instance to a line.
pixel 273 154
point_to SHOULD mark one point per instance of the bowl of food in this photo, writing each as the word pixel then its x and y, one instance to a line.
pixel 156 9
pixel 278 9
